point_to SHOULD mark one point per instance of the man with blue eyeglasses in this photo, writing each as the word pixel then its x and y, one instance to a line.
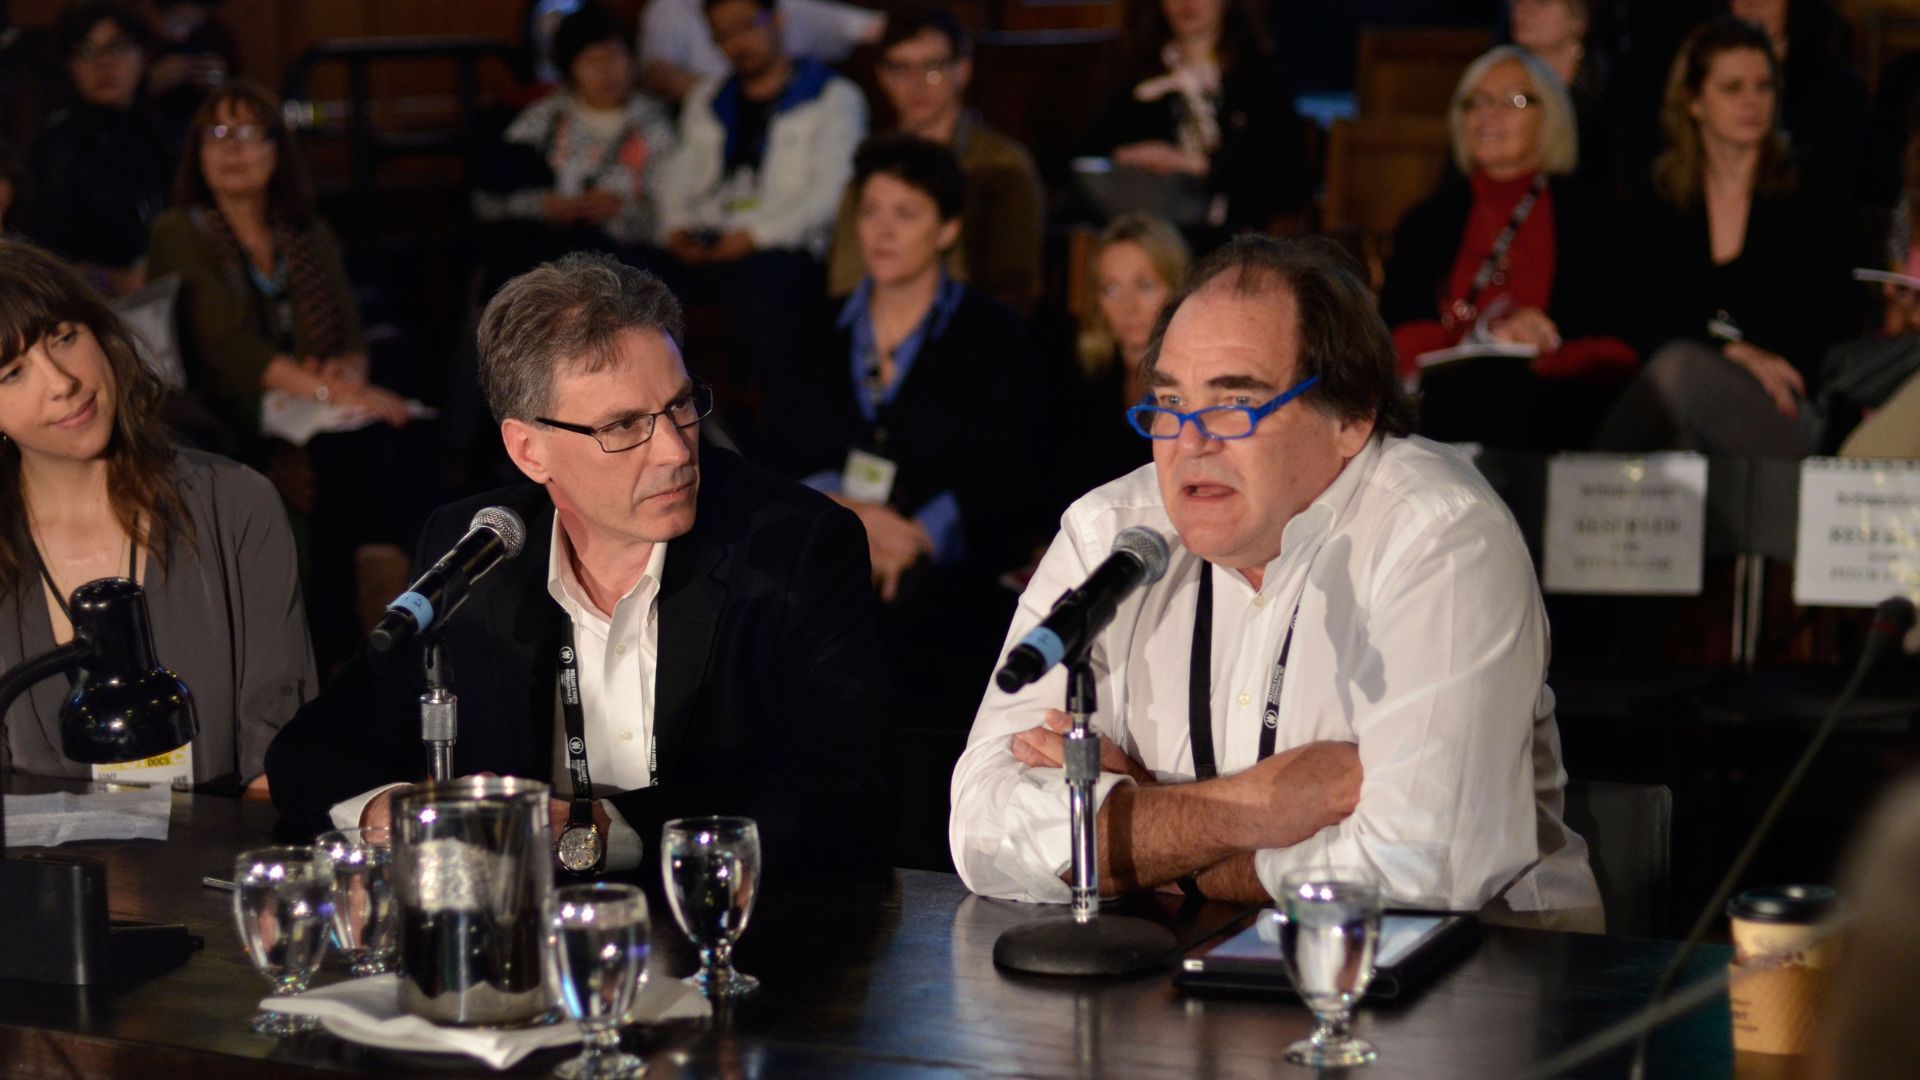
pixel 1344 664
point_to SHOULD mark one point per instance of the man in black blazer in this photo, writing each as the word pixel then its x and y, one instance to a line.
pixel 744 597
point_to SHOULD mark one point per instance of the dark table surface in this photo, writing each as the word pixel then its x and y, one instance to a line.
pixel 883 978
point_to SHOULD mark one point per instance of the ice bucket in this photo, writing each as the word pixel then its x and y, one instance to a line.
pixel 472 870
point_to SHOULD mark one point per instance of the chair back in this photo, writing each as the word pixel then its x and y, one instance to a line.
pixel 1413 70
pixel 1629 834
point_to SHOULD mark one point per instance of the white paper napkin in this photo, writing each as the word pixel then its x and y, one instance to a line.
pixel 122 812
pixel 367 1011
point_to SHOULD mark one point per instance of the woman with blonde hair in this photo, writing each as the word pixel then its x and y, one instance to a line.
pixel 1511 252
pixel 1740 279
pixel 1137 263
pixel 91 486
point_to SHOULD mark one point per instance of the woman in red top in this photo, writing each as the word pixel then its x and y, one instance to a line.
pixel 1510 256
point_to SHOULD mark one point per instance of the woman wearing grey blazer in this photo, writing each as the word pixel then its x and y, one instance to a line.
pixel 91 487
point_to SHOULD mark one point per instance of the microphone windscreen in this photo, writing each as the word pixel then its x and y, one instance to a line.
pixel 512 531
pixel 1147 546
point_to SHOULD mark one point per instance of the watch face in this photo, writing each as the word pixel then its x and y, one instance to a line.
pixel 579 848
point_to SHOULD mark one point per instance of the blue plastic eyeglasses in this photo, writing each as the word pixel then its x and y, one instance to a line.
pixel 1215 421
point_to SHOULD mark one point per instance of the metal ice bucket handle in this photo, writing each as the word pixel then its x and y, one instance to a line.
pixel 472 868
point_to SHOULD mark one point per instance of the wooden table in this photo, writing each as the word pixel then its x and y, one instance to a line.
pixel 887 978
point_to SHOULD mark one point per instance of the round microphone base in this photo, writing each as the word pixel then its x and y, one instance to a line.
pixel 1103 945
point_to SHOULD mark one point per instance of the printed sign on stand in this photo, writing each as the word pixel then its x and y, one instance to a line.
pixel 1625 525
pixel 1859 537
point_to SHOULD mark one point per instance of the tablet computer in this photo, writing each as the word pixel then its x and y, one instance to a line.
pixel 1245 954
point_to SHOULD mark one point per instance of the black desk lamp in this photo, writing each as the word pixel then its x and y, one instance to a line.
pixel 124 706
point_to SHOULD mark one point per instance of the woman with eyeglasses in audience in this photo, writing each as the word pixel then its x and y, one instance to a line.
pixel 102 164
pixel 269 324
pixel 1205 98
pixel 1511 251
pixel 92 487
pixel 1742 252
pixel 913 404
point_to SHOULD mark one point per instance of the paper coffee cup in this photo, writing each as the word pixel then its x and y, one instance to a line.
pixel 1778 966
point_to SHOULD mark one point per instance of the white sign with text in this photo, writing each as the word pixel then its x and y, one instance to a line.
pixel 1859 532
pixel 1625 525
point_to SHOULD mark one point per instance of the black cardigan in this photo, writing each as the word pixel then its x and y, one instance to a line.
pixel 1261 164
pixel 1789 291
pixel 1586 299
pixel 963 421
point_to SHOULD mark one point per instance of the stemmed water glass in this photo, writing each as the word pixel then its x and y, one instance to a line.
pixel 282 905
pixel 596 958
pixel 712 871
pixel 1329 924
pixel 365 914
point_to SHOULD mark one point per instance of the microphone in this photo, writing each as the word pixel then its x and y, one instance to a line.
pixel 1139 558
pixel 496 533
pixel 1891 621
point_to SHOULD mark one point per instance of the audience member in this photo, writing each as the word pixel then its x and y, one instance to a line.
pixel 1511 251
pixel 1421 746
pixel 1822 100
pixel 268 321
pixel 1870 386
pixel 101 165
pixel 1741 266
pixel 718 618
pixel 1207 104
pixel 195 53
pixel 579 165
pixel 16 189
pixel 677 46
pixel 913 405
pixel 90 487
pixel 926 64
pixel 748 197
pixel 1560 33
pixel 1137 263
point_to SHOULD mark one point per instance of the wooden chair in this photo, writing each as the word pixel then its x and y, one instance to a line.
pixel 1377 169
pixel 1413 70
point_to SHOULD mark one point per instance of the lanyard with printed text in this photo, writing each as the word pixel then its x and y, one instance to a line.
pixel 581 810
pixel 1200 684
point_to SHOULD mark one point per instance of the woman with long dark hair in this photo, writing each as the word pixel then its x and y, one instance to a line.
pixel 91 486
pixel 268 325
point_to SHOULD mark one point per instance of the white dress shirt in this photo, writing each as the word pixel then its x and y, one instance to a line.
pixel 1421 639
pixel 617 657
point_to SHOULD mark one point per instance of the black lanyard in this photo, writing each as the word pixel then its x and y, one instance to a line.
pixel 1200 684
pixel 1466 308
pixel 581 810
pixel 133 564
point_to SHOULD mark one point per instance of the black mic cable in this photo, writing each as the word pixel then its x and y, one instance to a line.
pixel 1891 621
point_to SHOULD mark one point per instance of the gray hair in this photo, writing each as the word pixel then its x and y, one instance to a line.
pixel 1559 131
pixel 564 316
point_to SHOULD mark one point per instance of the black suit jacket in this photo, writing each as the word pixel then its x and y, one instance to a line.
pixel 768 691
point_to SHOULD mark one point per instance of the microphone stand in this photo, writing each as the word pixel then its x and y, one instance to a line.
pixel 1084 942
pixel 439 711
